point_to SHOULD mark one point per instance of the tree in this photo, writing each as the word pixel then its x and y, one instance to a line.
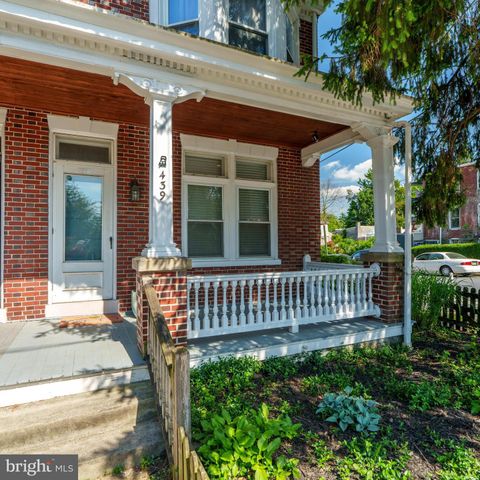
pixel 329 197
pixel 430 50
pixel 361 205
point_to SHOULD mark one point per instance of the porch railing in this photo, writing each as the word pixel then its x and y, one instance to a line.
pixel 170 368
pixel 227 304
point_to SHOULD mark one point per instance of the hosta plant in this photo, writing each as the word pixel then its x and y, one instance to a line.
pixel 246 446
pixel 350 411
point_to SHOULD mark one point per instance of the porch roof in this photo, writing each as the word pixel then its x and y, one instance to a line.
pixel 249 124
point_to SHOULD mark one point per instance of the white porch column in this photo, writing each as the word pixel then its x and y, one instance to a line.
pixel 160 95
pixel 161 242
pixel 384 193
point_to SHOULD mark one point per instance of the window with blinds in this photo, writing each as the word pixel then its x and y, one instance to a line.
pixel 248 170
pixel 83 150
pixel 211 166
pixel 228 204
pixel 254 222
pixel 205 221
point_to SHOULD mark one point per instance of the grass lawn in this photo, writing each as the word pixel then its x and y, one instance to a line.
pixel 260 421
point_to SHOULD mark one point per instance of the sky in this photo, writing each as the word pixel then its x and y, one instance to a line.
pixel 343 167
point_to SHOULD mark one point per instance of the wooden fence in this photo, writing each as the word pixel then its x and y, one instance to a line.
pixel 463 313
pixel 170 367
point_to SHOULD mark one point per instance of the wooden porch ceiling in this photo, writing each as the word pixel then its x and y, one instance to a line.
pixel 218 118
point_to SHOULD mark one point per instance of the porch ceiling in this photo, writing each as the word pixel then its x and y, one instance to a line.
pixel 249 124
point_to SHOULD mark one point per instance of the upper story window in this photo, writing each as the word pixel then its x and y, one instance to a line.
pixel 247 25
pixel 454 219
pixel 183 15
pixel 260 26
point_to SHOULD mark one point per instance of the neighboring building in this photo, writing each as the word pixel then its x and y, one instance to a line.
pixel 132 152
pixel 463 224
pixel 360 232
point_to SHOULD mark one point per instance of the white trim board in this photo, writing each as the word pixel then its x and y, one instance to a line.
pixel 3 118
pixel 94 307
pixel 35 392
pixel 295 348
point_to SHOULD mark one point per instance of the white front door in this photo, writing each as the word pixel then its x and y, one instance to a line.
pixel 82 234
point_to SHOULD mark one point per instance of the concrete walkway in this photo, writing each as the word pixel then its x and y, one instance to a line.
pixel 38 351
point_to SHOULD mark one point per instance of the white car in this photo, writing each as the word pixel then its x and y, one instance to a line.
pixel 446 263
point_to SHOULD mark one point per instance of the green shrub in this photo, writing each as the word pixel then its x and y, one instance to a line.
pixel 430 294
pixel 348 246
pixel 244 447
pixel 382 459
pixel 471 250
pixel 226 383
pixel 335 258
pixel 457 461
pixel 281 367
pixel 347 410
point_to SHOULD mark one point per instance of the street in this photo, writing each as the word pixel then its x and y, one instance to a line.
pixel 469 281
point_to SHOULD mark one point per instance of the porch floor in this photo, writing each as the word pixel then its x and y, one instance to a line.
pixel 38 351
pixel 281 342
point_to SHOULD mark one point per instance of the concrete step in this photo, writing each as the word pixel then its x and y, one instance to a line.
pixel 105 428
pixel 26 423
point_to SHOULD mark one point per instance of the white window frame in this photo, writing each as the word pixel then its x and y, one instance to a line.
pixel 231 150
pixel 450 220
pixel 454 240
pixel 478 181
pixel 3 117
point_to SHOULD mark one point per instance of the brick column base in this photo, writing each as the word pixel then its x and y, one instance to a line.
pixel 387 288
pixel 169 278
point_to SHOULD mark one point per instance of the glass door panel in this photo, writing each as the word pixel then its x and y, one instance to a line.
pixel 83 218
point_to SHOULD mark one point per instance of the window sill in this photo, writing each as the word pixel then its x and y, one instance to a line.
pixel 244 262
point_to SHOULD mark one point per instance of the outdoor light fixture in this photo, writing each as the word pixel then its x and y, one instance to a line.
pixel 315 137
pixel 134 190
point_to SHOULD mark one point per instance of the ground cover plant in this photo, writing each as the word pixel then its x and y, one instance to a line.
pixel 370 413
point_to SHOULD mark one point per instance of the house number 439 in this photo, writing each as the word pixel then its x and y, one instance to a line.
pixel 162 165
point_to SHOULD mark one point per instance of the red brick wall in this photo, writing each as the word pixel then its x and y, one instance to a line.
pixel 26 210
pixel 132 8
pixel 298 211
pixel 26 214
pixel 306 37
pixel 468 213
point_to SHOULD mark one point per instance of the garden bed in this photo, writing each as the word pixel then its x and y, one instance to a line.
pixel 425 400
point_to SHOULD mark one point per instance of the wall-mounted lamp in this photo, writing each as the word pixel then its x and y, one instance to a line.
pixel 134 190
pixel 315 137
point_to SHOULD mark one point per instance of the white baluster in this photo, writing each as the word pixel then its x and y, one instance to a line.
pixel 259 317
pixel 338 291
pixel 305 309
pixel 326 296
pixel 333 295
pixel 351 305
pixel 358 296
pixel 215 318
pixel 346 280
pixel 370 295
pixel 291 313
pixel 298 312
pixel 268 316
pixel 250 317
pixel 283 310
pixel 275 315
pixel 242 302
pixel 233 319
pixel 196 314
pixel 224 306
pixel 313 308
pixel 206 310
pixel 364 291
pixel 319 289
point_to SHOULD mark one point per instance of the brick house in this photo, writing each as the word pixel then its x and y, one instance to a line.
pixel 463 224
pixel 169 142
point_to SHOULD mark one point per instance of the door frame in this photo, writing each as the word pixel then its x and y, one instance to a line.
pixel 81 127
